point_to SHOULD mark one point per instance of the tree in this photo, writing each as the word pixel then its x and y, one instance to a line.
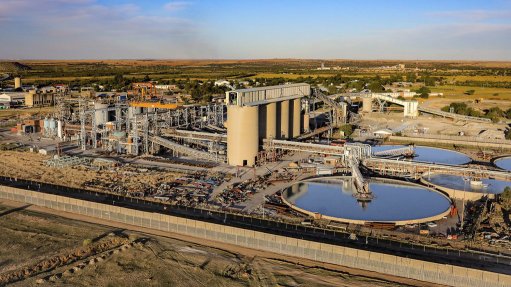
pixel 423 92
pixel 347 129
pixel 505 198
pixel 470 92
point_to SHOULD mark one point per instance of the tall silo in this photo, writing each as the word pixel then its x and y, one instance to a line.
pixel 242 135
pixel 284 119
pixel 271 120
pixel 17 82
pixel 296 118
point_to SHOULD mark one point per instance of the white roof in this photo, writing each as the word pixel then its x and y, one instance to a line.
pixel 383 131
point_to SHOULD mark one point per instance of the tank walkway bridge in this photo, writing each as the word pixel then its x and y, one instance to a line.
pixel 174 146
pixel 413 169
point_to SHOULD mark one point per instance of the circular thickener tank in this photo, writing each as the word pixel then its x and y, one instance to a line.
pixel 458 186
pixel 242 135
pixel 503 163
pixel 394 201
pixel 431 154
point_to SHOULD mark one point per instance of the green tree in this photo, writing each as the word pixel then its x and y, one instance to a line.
pixel 505 198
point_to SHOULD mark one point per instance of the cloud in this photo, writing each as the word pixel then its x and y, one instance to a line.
pixel 176 6
pixel 90 29
pixel 473 14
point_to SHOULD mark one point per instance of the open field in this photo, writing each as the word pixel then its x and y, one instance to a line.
pixel 457 92
pixel 149 260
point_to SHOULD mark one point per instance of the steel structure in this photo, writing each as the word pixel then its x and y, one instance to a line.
pixel 413 169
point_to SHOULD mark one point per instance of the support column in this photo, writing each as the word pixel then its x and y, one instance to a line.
pixel 367 104
pixel 284 119
pixel 296 118
pixel 271 120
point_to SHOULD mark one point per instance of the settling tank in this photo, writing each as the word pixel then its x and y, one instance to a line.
pixel 503 163
pixel 432 154
pixel 394 201
pixel 462 183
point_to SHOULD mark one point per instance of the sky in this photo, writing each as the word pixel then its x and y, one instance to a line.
pixel 255 29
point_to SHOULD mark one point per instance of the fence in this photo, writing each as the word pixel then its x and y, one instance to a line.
pixel 323 252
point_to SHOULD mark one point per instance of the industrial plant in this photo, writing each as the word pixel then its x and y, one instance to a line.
pixel 279 154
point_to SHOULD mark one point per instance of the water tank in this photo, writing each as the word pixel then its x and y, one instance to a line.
pixel 52 124
pixel 59 129
pixel 101 113
pixel 46 125
pixel 17 82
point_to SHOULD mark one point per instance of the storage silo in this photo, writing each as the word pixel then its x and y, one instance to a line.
pixel 296 118
pixel 284 119
pixel 52 125
pixel 17 82
pixel 100 113
pixel 271 120
pixel 59 129
pixel 242 135
pixel 46 126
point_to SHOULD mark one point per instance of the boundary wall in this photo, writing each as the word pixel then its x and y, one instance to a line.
pixel 328 253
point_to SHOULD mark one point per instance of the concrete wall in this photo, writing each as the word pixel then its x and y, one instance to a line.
pixel 354 258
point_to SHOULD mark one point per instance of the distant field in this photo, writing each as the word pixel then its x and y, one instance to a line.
pixel 480 78
pixel 486 93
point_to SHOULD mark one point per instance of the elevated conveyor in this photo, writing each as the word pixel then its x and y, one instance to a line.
pixel 186 150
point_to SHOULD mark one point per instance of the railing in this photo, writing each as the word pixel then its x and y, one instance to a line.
pixel 457 138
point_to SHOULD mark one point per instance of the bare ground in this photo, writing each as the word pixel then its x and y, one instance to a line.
pixel 158 260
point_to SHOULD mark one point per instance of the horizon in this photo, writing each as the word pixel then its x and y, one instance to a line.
pixel 234 30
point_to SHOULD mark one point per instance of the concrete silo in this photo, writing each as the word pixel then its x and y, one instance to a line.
pixel 296 111
pixel 17 82
pixel 271 121
pixel 284 120
pixel 242 135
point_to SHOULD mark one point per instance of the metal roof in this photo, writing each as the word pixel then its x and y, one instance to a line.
pixel 271 87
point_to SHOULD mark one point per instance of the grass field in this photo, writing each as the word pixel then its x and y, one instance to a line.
pixel 485 93
pixel 464 78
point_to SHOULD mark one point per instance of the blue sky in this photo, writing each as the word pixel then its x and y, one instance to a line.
pixel 242 29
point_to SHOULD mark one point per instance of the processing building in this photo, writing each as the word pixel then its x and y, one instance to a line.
pixel 262 113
